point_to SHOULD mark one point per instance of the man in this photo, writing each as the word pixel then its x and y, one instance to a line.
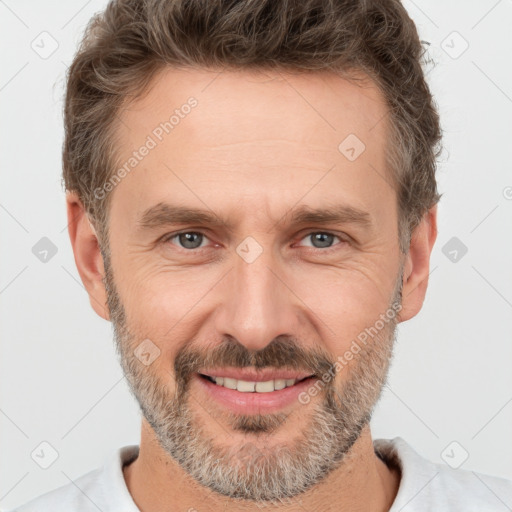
pixel 252 203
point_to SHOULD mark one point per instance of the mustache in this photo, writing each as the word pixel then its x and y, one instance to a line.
pixel 282 352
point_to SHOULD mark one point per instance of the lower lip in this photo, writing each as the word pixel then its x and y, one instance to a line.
pixel 255 403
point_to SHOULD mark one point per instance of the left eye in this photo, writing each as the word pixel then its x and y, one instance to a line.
pixel 194 239
pixel 323 239
pixel 189 239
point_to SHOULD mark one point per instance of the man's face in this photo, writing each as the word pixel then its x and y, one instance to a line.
pixel 256 288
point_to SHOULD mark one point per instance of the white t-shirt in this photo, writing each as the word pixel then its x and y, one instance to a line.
pixel 424 486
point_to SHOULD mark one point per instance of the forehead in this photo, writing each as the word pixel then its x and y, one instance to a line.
pixel 244 104
pixel 252 135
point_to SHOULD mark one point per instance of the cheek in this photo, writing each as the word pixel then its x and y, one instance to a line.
pixel 342 304
pixel 165 303
pixel 160 302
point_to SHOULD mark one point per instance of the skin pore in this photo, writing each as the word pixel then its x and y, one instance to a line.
pixel 256 147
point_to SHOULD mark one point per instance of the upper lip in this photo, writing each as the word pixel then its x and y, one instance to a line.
pixel 254 375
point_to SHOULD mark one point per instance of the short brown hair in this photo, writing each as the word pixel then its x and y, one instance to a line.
pixel 127 44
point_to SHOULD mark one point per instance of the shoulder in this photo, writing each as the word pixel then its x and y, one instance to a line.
pixel 72 496
pixel 426 485
pixel 100 489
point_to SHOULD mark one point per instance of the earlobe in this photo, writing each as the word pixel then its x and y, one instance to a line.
pixel 417 265
pixel 88 257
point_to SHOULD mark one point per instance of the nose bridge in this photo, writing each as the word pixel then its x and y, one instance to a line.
pixel 257 306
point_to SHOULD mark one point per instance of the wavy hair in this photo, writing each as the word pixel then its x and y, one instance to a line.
pixel 131 40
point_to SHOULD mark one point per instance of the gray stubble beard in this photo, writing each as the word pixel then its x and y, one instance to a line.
pixel 258 470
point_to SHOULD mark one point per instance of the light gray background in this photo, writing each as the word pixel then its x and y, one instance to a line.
pixel 451 379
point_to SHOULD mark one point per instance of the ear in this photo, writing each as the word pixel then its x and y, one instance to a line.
pixel 88 258
pixel 417 265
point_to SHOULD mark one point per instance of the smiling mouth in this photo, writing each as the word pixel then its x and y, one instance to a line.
pixel 246 386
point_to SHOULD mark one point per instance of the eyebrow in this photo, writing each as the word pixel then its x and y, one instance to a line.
pixel 164 214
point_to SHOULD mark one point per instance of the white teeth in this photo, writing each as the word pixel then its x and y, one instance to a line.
pixel 279 384
pixel 265 387
pixel 229 383
pixel 245 386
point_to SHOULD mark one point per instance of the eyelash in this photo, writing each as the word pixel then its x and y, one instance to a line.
pixel 169 237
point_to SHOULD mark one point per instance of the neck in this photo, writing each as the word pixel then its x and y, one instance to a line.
pixel 361 482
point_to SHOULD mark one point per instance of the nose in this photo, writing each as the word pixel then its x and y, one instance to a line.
pixel 256 304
